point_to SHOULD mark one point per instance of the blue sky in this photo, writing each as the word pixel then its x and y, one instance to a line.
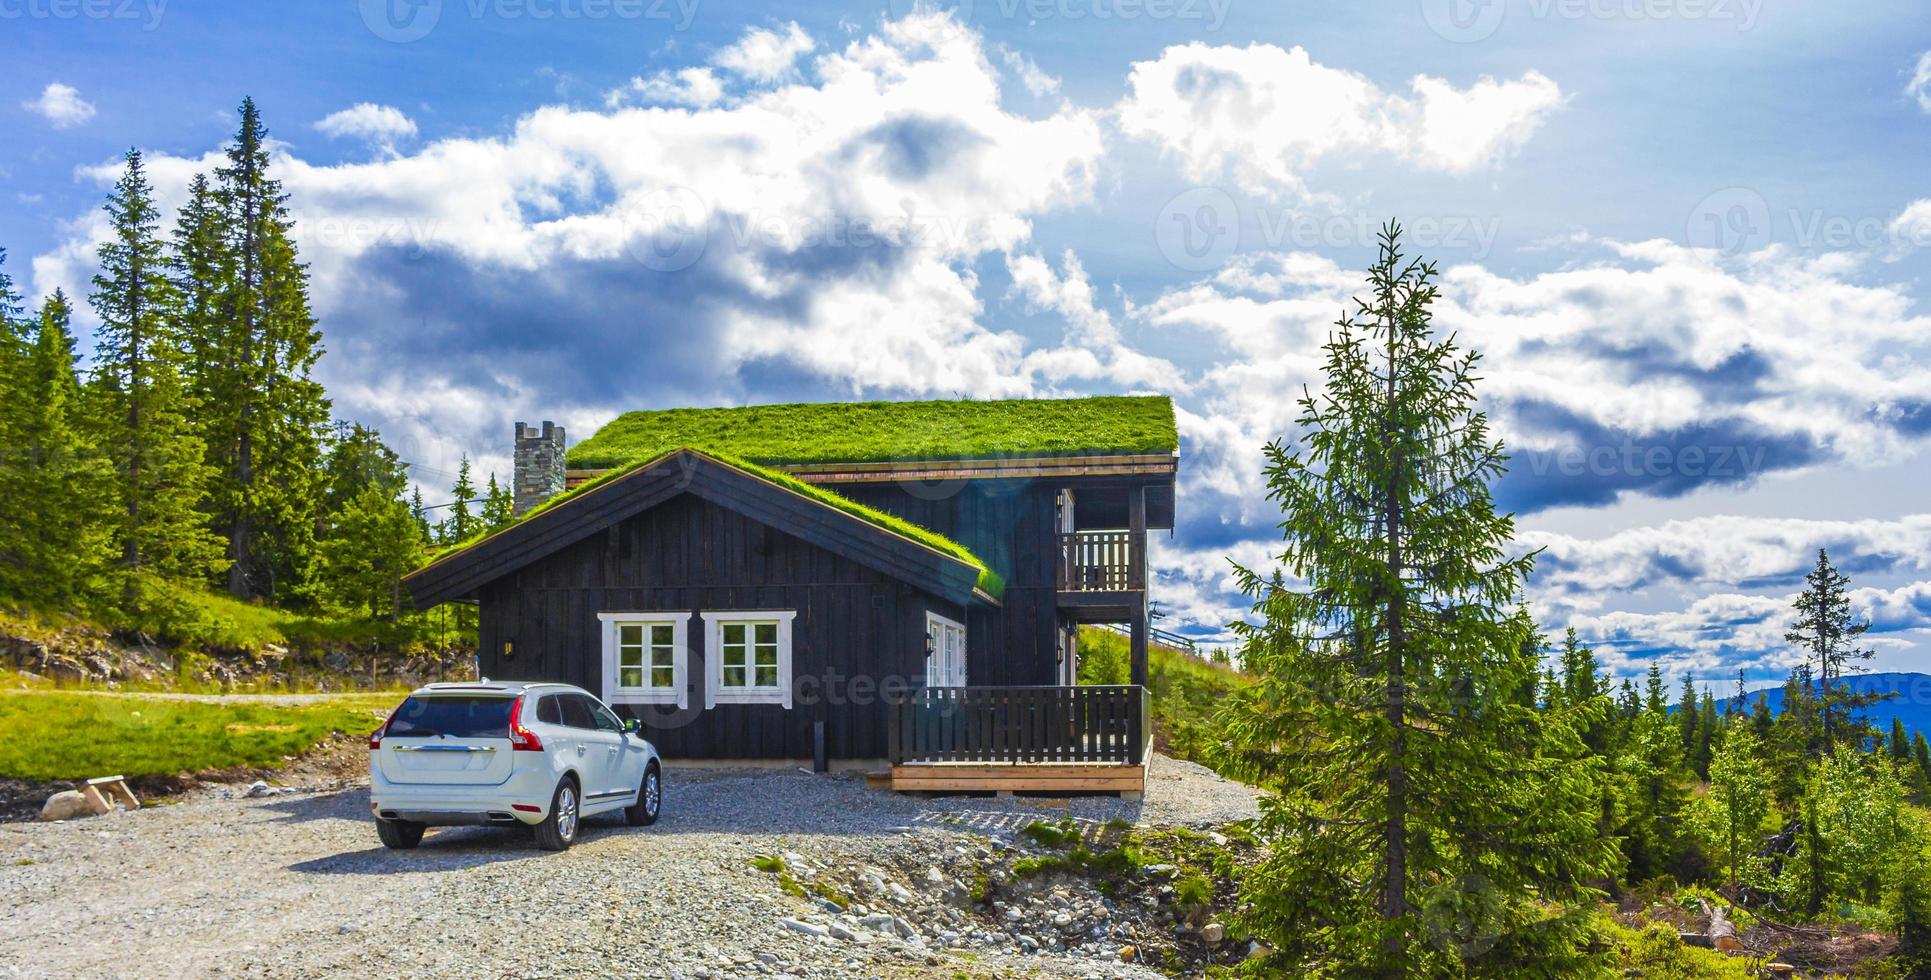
pixel 1688 235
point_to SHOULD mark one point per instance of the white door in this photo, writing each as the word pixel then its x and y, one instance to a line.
pixel 945 652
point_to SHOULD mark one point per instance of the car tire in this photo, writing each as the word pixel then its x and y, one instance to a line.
pixel 559 828
pixel 650 798
pixel 399 834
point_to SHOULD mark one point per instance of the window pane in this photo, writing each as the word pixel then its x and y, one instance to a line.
pixel 630 677
pixel 767 633
pixel 767 656
pixel 630 657
pixel 734 633
pixel 630 634
pixel 660 635
pixel 734 676
pixel 662 657
pixel 767 677
pixel 662 676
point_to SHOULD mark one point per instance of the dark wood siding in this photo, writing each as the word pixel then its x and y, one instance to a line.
pixel 1008 524
pixel 691 555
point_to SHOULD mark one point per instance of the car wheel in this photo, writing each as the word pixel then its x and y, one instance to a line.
pixel 650 798
pixel 559 830
pixel 399 834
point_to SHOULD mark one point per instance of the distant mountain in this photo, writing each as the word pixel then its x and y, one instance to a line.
pixel 1912 703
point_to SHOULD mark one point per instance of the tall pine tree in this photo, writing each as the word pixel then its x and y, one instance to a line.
pixel 1413 781
pixel 1827 632
pixel 143 416
pixel 264 416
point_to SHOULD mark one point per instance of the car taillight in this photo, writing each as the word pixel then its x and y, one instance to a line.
pixel 522 739
pixel 375 737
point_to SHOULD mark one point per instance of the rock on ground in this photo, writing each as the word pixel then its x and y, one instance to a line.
pixel 66 805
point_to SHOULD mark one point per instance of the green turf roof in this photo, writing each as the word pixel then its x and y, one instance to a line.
pixel 989 581
pixel 865 432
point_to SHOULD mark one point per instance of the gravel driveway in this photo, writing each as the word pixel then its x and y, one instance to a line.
pixel 296 885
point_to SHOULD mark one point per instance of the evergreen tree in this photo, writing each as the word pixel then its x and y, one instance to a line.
pixel 1413 784
pixel 1827 632
pixel 1739 798
pixel 1582 677
pixel 461 523
pixel 1654 703
pixel 12 329
pixel 143 414
pixel 372 542
pixel 420 514
pixel 1708 730
pixel 52 543
pixel 264 416
pixel 1900 742
pixel 496 505
pixel 1687 716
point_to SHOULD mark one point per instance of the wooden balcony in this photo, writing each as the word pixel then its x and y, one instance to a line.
pixel 1007 739
pixel 1101 561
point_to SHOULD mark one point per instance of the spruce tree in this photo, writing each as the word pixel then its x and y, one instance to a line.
pixel 264 417
pixel 461 523
pixel 1827 632
pixel 53 544
pixel 1687 717
pixel 1900 742
pixel 1739 796
pixel 497 505
pixel 143 414
pixel 1412 782
pixel 1709 730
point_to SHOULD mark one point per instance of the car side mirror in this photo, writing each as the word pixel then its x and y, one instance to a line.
pixel 632 726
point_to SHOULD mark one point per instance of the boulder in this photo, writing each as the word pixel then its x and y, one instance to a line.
pixel 1213 932
pixel 66 805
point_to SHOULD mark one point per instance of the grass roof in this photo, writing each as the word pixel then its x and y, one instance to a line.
pixel 865 432
pixel 989 582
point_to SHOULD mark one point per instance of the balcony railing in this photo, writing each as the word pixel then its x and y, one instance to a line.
pixel 1100 561
pixel 1090 723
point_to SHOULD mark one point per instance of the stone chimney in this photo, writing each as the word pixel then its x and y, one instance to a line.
pixel 539 465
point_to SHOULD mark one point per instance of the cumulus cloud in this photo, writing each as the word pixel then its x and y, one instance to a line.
pixel 1911 229
pixel 764 55
pixel 696 87
pixel 61 105
pixel 1265 115
pixel 1093 349
pixel 1920 86
pixel 814 240
pixel 378 125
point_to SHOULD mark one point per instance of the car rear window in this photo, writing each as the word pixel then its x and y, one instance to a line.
pixel 458 716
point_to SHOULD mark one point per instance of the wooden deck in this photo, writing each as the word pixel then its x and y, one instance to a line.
pixel 1022 739
pixel 1127 779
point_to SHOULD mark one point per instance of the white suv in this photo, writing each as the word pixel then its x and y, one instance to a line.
pixel 507 752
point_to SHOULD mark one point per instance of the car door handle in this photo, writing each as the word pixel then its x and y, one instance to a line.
pixel 581 749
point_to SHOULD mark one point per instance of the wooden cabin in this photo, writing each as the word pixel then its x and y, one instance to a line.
pixel 840 584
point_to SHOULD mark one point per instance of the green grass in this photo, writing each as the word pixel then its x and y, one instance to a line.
pixel 66 735
pixel 989 581
pixel 1186 690
pixel 885 431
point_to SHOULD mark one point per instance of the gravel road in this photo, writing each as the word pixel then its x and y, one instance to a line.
pixel 295 885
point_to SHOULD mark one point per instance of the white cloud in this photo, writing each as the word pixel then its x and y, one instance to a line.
pixel 1920 87
pixel 379 125
pixel 1037 82
pixel 1267 115
pixel 1911 229
pixel 836 225
pixel 61 105
pixel 1093 349
pixel 763 55
pixel 695 87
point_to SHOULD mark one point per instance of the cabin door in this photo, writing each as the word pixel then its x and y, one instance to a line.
pixel 945 652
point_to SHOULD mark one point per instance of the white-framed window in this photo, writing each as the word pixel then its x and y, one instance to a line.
pixel 646 658
pixel 945 651
pixel 749 657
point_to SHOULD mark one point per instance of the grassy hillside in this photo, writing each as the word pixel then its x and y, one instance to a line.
pixel 1186 690
pixel 62 735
